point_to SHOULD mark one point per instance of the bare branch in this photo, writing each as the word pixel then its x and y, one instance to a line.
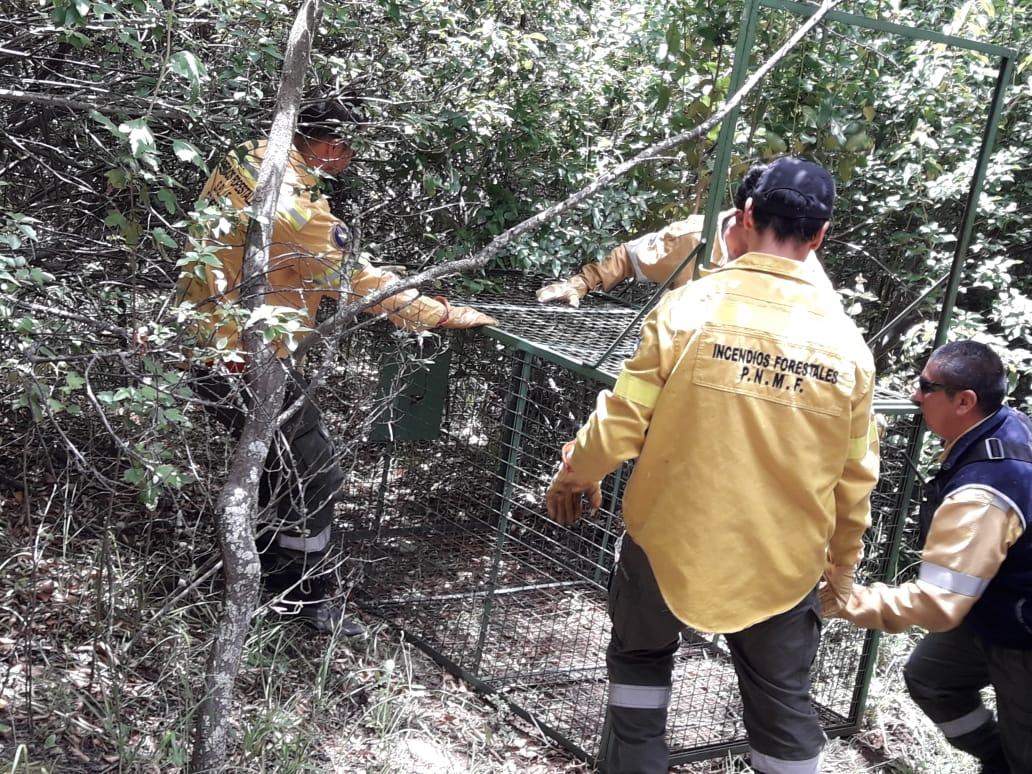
pixel 266 376
pixel 37 98
pixel 483 256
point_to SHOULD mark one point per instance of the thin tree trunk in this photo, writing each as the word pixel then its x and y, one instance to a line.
pixel 531 224
pixel 266 382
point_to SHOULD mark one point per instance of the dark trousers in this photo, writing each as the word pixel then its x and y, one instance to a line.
pixel 297 490
pixel 772 660
pixel 944 675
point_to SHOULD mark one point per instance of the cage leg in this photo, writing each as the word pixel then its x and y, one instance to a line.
pixel 514 433
pixel 381 496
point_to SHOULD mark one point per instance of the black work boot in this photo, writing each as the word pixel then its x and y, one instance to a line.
pixel 310 601
pixel 984 743
pixel 326 617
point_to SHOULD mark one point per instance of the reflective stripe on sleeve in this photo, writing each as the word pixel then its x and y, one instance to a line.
pixel 296 216
pixel 772 765
pixel 632 248
pixel 329 277
pixel 951 580
pixel 1000 500
pixel 636 390
pixel 312 544
pixel 859 445
pixel 639 696
pixel 965 724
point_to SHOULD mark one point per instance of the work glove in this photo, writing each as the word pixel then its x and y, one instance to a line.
pixel 465 317
pixel 564 495
pixel 570 290
pixel 836 587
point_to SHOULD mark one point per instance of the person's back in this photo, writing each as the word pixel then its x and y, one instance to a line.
pixel 761 331
pixel 748 406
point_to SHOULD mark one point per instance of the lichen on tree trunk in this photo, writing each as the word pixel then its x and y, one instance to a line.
pixel 266 383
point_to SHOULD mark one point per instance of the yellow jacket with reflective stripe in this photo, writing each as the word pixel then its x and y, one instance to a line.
pixel 748 408
pixel 653 257
pixel 305 260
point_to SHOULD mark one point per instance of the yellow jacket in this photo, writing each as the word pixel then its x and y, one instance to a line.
pixel 655 256
pixel 748 406
pixel 305 257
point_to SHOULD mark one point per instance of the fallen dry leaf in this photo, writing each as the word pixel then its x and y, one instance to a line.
pixel 45 589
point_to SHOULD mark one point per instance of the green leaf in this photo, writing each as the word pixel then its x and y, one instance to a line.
pixel 429 184
pixel 40 277
pixel 187 66
pixel 662 98
pixel 106 122
pixel 673 36
pixel 174 415
pixel 166 197
pixel 134 475
pixel 115 219
pixel 116 178
pixel 162 237
pixel 141 139
pixel 187 152
pixel 661 52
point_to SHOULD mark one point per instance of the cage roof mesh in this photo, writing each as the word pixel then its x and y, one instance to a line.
pixel 582 334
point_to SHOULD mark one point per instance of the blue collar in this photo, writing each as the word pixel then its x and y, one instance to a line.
pixel 983 429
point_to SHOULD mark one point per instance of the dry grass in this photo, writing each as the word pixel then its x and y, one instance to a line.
pixel 84 688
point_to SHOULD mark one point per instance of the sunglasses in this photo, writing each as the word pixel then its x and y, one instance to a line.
pixel 927 386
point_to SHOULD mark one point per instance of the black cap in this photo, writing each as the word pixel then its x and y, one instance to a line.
pixel 330 117
pixel 793 188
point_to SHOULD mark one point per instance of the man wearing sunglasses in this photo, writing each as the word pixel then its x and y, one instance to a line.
pixel 974 588
pixel 748 409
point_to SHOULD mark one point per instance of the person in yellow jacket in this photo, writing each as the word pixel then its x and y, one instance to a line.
pixel 655 256
pixel 748 409
pixel 308 261
pixel 973 592
pixel 310 246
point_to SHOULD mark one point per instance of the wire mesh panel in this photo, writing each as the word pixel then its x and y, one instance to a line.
pixel 458 552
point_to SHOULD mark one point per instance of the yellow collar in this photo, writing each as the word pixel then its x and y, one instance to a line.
pixel 773 264
pixel 949 447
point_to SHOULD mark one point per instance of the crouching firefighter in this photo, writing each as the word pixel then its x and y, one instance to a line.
pixel 302 476
pixel 974 588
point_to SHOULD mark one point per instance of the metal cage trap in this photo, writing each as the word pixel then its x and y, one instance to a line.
pixel 457 552
pixel 447 487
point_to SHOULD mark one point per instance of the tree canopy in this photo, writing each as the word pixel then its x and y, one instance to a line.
pixel 477 116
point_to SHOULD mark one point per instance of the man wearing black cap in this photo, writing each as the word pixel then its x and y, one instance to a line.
pixel 748 409
pixel 309 259
pixel 655 256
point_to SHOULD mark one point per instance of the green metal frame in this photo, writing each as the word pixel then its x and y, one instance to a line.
pixel 528 350
pixel 746 40
pixel 515 415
